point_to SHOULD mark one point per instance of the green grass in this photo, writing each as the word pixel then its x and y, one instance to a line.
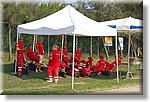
pixel 36 83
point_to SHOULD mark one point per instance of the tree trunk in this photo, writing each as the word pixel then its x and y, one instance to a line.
pixel 76 43
pixel 91 47
pixel 65 40
pixel 98 47
pixel 9 44
pixel 106 51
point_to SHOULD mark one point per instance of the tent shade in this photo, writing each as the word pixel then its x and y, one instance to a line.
pixel 66 21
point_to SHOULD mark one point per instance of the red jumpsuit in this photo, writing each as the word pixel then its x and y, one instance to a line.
pixel 102 65
pixel 20 57
pixel 65 58
pixel 32 56
pixel 54 64
pixel 40 48
pixel 89 65
pixel 113 66
pixel 40 51
pixel 78 55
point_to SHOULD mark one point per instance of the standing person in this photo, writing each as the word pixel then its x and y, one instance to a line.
pixel 20 55
pixel 54 64
pixel 40 51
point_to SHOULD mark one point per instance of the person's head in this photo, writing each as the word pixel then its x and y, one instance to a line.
pixel 90 58
pixel 55 47
pixel 65 48
pixel 21 39
pixel 41 39
pixel 30 47
pixel 79 49
pixel 101 56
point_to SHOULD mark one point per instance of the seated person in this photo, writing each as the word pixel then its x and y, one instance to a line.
pixel 78 58
pixel 65 57
pixel 89 64
pixel 101 65
pixel 113 66
pixel 30 55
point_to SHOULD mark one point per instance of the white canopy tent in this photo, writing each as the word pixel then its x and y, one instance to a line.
pixel 130 25
pixel 68 21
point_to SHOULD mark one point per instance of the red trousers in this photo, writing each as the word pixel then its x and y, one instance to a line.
pixel 54 68
pixel 20 61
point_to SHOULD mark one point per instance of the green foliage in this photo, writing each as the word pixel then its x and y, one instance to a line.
pixel 21 12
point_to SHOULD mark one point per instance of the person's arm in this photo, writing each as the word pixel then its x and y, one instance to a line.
pixel 97 64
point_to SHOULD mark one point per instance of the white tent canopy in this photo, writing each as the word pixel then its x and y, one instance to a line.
pixel 128 23
pixel 66 21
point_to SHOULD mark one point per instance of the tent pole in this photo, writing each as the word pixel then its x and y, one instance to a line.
pixel 129 52
pixel 117 60
pixel 33 43
pixel 62 44
pixel 48 45
pixel 73 61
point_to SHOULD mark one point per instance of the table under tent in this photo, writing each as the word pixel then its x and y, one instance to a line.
pixel 68 21
pixel 128 25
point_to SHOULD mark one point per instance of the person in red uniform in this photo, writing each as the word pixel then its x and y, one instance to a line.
pixel 78 56
pixel 40 51
pixel 65 56
pixel 54 64
pixel 113 65
pixel 30 55
pixel 101 64
pixel 89 64
pixel 20 55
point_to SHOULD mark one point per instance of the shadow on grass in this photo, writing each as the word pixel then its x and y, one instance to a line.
pixel 122 74
pixel 9 69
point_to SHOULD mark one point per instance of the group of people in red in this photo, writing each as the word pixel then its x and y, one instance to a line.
pixel 55 61
pixel 30 55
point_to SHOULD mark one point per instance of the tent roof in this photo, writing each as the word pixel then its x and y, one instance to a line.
pixel 128 23
pixel 66 21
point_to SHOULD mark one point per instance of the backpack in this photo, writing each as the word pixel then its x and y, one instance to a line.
pixel 31 66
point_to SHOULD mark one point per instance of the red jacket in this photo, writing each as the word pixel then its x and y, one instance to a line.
pixel 78 54
pixel 40 48
pixel 102 65
pixel 65 54
pixel 19 45
pixel 55 55
pixel 113 64
pixel 89 63
pixel 30 53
